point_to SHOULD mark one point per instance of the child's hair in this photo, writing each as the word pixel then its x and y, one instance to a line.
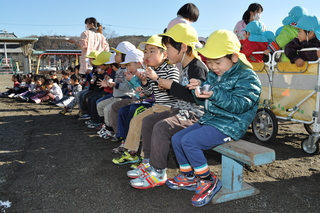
pixel 52 73
pixel 49 82
pixel 71 69
pixel 91 20
pixel 75 77
pixel 36 77
pixel 65 73
pixel 45 76
pixel 123 57
pixel 189 11
pixel 252 8
pixel 76 68
pixel 99 28
pixel 175 45
pixel 116 65
pixel 19 77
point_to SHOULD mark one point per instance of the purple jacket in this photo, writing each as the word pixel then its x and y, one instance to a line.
pixel 293 46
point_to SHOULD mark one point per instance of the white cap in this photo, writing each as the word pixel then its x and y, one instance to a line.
pixel 112 59
pixel 135 55
pixel 124 47
pixel 202 39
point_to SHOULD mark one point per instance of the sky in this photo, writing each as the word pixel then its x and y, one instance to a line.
pixel 140 17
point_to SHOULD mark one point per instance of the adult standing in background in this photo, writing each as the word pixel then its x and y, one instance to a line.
pixel 253 13
pixel 90 40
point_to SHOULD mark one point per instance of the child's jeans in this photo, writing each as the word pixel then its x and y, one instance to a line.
pixel 188 145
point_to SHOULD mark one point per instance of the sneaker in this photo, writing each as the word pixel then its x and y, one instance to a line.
pixel 100 127
pixel 135 165
pixel 137 172
pixel 93 125
pixel 149 179
pixel 120 149
pixel 114 138
pixel 205 191
pixel 84 117
pixel 125 158
pixel 64 111
pixel 11 95
pixel 60 104
pixel 106 134
pixel 88 122
pixel 182 182
pixel 102 130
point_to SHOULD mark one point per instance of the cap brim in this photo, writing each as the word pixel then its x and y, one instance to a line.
pixel 96 62
pixel 115 50
pixel 206 52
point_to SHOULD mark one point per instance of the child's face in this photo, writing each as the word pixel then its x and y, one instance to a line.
pixel 118 58
pixel 133 67
pixel 53 76
pixel 49 87
pixel 221 65
pixel 73 82
pixel 103 67
pixel 42 80
pixel 153 56
pixel 38 82
pixel 173 54
pixel 302 35
pixel 13 79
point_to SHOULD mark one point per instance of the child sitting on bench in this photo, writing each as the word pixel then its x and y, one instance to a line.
pixel 230 103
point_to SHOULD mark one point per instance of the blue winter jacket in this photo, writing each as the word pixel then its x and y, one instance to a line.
pixel 234 102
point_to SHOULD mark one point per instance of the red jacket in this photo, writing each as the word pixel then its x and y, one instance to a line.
pixel 109 72
pixel 248 47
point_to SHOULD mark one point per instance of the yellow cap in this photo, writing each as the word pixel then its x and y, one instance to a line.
pixel 102 58
pixel 92 54
pixel 154 40
pixel 221 43
pixel 183 33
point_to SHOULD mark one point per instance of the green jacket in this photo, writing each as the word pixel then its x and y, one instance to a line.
pixel 234 102
pixel 287 34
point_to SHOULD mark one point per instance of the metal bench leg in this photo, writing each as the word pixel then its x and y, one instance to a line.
pixel 233 186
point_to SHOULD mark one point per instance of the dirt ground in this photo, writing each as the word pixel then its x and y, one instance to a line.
pixel 54 163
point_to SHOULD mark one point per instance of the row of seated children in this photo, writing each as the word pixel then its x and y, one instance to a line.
pixel 172 106
pixel 299 31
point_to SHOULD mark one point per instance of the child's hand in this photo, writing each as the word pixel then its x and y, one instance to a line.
pixel 318 53
pixel 267 51
pixel 138 89
pixel 102 83
pixel 299 62
pixel 151 74
pixel 129 76
pixel 142 77
pixel 70 93
pixel 164 83
pixel 193 83
pixel 204 94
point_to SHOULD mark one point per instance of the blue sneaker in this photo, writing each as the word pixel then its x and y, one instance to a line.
pixel 84 117
pixel 182 182
pixel 205 191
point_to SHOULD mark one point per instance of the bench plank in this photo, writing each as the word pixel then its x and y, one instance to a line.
pixel 247 153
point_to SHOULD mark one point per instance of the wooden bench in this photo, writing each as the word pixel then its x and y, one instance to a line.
pixel 234 155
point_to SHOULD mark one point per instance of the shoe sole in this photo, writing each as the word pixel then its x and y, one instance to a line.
pixel 177 187
pixel 81 119
pixel 134 161
pixel 151 186
pixel 206 201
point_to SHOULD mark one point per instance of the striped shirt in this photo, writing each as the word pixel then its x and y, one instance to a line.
pixel 164 71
